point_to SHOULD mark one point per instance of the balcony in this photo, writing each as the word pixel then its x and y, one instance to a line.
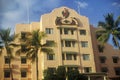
pixel 26 78
pixel 6 65
pixel 25 66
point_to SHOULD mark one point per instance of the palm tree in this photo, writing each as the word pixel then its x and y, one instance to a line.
pixel 34 46
pixel 7 43
pixel 109 28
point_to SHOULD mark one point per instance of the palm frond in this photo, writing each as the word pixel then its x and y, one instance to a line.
pixel 18 52
pixel 47 50
pixel 1 49
pixel 14 44
pixel 42 35
pixel 30 52
pixel 5 34
pixel 103 38
pixel 117 22
pixel 12 37
pixel 49 44
pixel 109 19
pixel 101 24
pixel 9 50
pixel 100 31
pixel 115 41
pixel 32 56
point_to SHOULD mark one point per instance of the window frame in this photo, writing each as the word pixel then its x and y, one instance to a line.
pixel 68 44
pixel 7 73
pixel 50 56
pixel 102 59
pixel 104 69
pixel 49 30
pixel 68 56
pixel 117 71
pixel 7 60
pixel 87 69
pixel 115 59
pixel 86 57
pixel 84 44
pixel 23 62
pixel 75 56
pixel 83 32
pixel 23 73
pixel 66 31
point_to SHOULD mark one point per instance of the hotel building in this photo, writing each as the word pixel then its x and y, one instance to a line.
pixel 76 47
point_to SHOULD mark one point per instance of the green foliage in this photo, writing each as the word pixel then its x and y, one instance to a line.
pixel 61 73
pixel 33 46
pixel 82 77
pixel 7 42
pixel 109 28
pixel 49 75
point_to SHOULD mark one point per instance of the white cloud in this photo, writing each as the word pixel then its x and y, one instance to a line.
pixel 81 4
pixel 116 4
pixel 16 11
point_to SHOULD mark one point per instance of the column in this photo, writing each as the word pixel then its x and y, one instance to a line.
pixel 104 77
pixel 88 77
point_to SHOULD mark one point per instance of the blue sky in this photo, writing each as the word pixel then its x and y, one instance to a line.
pixel 16 11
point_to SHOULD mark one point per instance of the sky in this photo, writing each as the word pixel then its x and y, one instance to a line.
pixel 13 12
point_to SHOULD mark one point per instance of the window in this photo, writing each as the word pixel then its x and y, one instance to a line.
pixel 23 60
pixel 62 43
pixel 23 35
pixel 7 60
pixel 60 31
pixel 50 43
pixel 75 56
pixel 102 59
pixel 68 56
pixel 67 43
pixel 117 70
pixel 50 57
pixel 23 48
pixel 7 73
pixel 63 56
pixel 82 32
pixel 104 69
pixel 66 31
pixel 49 30
pixel 84 44
pixel 87 69
pixel 23 73
pixel 100 48
pixel 115 59
pixel 86 57
pixel 72 32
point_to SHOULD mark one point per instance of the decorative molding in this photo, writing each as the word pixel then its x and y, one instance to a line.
pixel 65 13
pixel 66 20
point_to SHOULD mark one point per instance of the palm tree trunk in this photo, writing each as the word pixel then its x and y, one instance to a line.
pixel 10 69
pixel 37 65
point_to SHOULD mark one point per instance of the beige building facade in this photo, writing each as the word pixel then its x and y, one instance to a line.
pixel 75 47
